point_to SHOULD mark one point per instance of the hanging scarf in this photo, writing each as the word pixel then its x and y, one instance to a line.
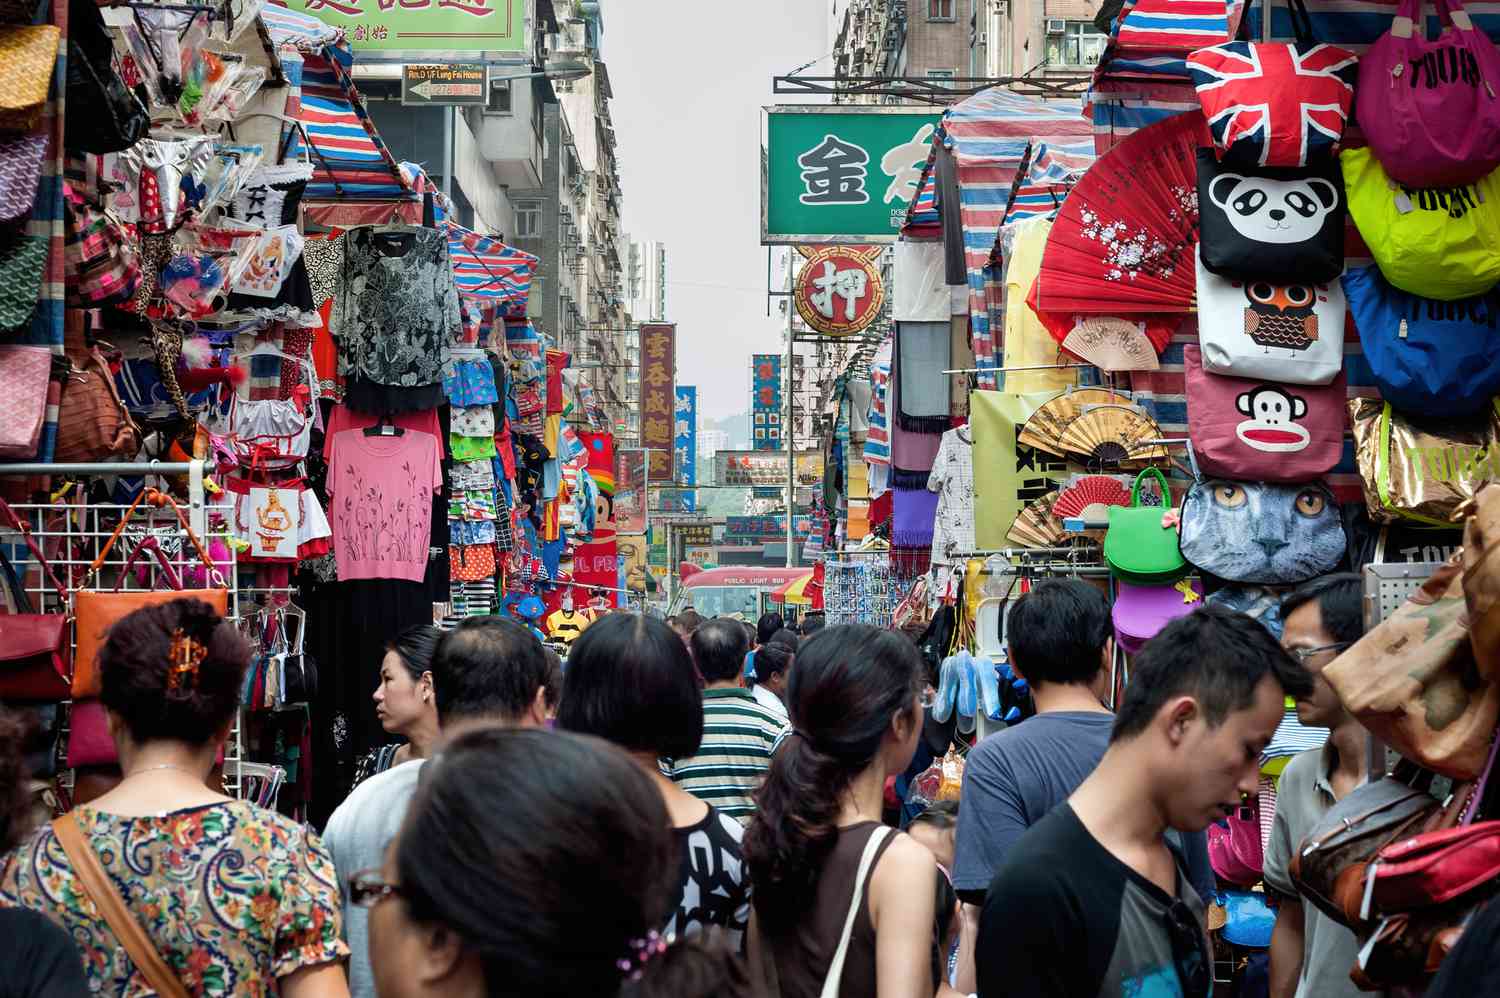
pixel 922 350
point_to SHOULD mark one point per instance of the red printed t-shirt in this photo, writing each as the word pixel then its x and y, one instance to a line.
pixel 380 491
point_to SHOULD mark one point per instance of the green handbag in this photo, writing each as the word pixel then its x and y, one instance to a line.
pixel 22 260
pixel 1138 548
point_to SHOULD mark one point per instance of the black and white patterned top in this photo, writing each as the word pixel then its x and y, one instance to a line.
pixel 396 314
pixel 715 881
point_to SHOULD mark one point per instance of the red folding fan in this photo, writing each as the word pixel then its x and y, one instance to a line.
pixel 1125 238
pixel 1089 496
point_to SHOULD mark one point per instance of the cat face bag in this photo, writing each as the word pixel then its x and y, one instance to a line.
pixel 1291 333
pixel 1244 428
pixel 1257 532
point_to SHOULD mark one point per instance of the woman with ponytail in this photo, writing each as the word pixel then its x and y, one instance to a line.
pixel 536 864
pixel 816 848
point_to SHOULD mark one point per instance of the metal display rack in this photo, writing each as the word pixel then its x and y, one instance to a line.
pixel 71 536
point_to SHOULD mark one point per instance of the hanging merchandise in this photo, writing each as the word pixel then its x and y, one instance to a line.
pixel 271 433
pixel 20 168
pixel 93 423
pixel 1262 533
pixel 1429 108
pixel 1413 680
pixel 1428 358
pixel 921 385
pixel 1244 428
pixel 1250 328
pixel 1422 471
pixel 952 477
pixel 1284 225
pixel 34 646
pixel 1234 847
pixel 473 421
pixel 276 522
pixel 1482 582
pixel 101 263
pixel 1141 546
pixel 1027 343
pixel 381 489
pixel 1037 525
pixel 1007 473
pixel 1140 612
pixel 265 265
pixel 1275 104
pixel 29 53
pixel 116 118
pixel 24 374
pixel 1437 242
pixel 22 260
pixel 1124 240
pixel 471 562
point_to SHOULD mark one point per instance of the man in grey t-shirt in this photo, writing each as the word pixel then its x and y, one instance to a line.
pixel 486 672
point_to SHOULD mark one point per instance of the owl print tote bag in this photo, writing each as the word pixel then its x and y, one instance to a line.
pixel 1291 333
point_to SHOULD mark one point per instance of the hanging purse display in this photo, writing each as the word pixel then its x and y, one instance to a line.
pixel 96 610
pixel 33 646
pixel 471 562
pixel 1414 682
pixel 1262 533
pixel 1262 431
pixel 29 54
pixel 93 423
pixel 101 264
pixel 24 373
pixel 1422 470
pixel 1430 109
pixel 22 260
pixel 116 118
pixel 1275 104
pixel 1292 333
pixel 20 168
pixel 1437 242
pixel 1141 544
pixel 1285 226
pixel 1427 357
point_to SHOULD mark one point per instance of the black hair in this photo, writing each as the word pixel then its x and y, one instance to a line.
pixel 1340 599
pixel 1215 655
pixel 689 621
pixel 940 814
pixel 785 637
pixel 136 672
pixel 414 647
pixel 772 658
pixel 552 688
pixel 848 685
pixel 812 623
pixel 719 648
pixel 768 625
pixel 532 908
pixel 487 667
pixel 630 681
pixel 15 801
pixel 1058 631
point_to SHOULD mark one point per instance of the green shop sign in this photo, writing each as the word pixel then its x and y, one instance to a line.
pixel 843 174
pixel 426 25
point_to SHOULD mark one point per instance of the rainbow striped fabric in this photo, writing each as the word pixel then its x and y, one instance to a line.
pixel 484 267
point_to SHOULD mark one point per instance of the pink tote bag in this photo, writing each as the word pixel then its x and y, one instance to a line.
pixel 1430 109
pixel 1248 429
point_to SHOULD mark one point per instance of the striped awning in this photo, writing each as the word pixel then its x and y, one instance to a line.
pixel 298 28
pixel 1049 176
pixel 484 267
pixel 350 160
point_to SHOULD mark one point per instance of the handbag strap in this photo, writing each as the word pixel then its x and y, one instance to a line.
pixel 866 861
pixel 1135 490
pixel 13 580
pixel 157 498
pixel 1301 22
pixel 1471 809
pixel 96 884
pixel 150 544
pixel 9 518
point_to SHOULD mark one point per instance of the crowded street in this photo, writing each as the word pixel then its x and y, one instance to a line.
pixel 935 499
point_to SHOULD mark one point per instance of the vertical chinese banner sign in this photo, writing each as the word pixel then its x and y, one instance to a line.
pixel 685 446
pixel 630 491
pixel 765 401
pixel 658 380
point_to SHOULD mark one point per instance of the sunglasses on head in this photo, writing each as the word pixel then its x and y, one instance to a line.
pixel 1188 954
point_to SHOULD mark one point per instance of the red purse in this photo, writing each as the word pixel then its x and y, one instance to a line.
pixel 1434 868
pixel 1235 852
pixel 33 646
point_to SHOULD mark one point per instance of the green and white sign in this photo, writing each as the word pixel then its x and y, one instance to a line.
pixel 841 174
pixel 426 25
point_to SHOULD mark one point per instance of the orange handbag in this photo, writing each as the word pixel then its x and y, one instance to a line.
pixel 96 610
pixel 471 562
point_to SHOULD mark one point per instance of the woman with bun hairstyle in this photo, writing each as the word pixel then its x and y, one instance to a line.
pixel 856 712
pixel 231 897
pixel 534 863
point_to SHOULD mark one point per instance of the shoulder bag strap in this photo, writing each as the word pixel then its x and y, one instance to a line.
pixel 127 930
pixel 866 860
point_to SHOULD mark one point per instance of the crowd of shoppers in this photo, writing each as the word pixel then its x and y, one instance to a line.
pixel 682 834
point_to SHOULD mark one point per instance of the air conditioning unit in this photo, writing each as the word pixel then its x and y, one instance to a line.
pixel 1057 26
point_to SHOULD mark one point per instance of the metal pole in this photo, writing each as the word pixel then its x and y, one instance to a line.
pixel 448 129
pixel 787 421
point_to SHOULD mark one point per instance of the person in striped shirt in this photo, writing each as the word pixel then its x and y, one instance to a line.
pixel 739 734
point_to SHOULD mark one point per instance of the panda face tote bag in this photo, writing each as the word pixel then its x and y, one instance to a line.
pixel 1281 225
pixel 1291 333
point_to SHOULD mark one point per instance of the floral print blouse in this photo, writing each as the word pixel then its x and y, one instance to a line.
pixel 233 895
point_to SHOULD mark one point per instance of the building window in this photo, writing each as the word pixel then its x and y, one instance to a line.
pixel 939 10
pixel 941 74
pixel 528 219
pixel 1080 44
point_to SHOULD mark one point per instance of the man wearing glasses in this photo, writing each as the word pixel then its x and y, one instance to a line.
pixel 1091 901
pixel 1311 954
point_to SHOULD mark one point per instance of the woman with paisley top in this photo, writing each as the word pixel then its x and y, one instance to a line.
pixel 236 899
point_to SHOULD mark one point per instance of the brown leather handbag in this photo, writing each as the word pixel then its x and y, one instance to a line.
pixel 1482 579
pixel 93 423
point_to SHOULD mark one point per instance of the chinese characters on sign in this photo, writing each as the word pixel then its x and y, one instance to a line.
pixel 834 173
pixel 415 25
pixel 739 467
pixel 630 491
pixel 658 398
pixel 838 291
pixel 685 446
pixel 765 401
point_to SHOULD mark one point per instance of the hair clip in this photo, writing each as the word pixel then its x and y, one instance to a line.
pixel 186 655
pixel 642 951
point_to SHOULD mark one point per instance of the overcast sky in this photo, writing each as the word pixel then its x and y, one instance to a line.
pixel 689 81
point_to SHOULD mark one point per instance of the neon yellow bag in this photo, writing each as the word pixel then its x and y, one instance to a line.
pixel 1438 242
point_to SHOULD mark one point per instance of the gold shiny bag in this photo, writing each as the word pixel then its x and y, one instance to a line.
pixel 28 54
pixel 1422 470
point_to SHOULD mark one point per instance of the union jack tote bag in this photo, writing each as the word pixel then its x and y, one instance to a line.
pixel 1277 104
